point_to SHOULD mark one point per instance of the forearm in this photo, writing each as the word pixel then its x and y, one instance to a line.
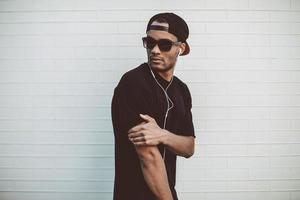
pixel 180 145
pixel 155 174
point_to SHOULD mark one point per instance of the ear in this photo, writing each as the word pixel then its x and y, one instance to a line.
pixel 181 48
pixel 180 52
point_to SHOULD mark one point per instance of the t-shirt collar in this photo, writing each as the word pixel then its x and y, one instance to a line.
pixel 160 79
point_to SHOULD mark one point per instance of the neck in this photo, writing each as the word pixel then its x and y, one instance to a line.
pixel 167 75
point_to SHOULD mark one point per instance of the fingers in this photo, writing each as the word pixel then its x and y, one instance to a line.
pixel 145 133
pixel 138 138
pixel 136 134
pixel 137 128
pixel 143 125
pixel 147 118
pixel 142 141
pixel 143 138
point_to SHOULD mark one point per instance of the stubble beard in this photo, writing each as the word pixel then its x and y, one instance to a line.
pixel 158 68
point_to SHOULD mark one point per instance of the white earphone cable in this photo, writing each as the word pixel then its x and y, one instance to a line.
pixel 167 97
pixel 168 102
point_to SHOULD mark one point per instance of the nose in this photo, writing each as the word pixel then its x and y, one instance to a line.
pixel 155 49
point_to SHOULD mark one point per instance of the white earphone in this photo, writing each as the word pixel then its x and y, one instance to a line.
pixel 168 99
pixel 180 51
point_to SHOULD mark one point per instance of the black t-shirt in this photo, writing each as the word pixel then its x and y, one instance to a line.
pixel 138 93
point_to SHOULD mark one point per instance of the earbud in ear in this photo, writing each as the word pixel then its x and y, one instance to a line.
pixel 180 52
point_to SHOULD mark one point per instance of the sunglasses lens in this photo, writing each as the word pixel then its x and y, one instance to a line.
pixel 163 44
pixel 149 43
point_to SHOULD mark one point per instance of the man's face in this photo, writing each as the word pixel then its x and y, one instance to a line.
pixel 162 61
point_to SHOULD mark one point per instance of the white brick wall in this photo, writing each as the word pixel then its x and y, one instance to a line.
pixel 61 59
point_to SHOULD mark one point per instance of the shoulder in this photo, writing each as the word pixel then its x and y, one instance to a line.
pixel 134 77
pixel 185 91
pixel 134 82
pixel 182 85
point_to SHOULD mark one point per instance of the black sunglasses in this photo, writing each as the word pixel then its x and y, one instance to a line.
pixel 163 44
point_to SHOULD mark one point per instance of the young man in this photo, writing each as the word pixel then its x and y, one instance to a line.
pixel 151 114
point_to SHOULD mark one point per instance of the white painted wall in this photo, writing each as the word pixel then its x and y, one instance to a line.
pixel 61 59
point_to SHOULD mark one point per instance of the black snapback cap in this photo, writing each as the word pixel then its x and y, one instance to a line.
pixel 176 26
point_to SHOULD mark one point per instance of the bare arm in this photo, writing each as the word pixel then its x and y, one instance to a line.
pixel 154 171
pixel 180 145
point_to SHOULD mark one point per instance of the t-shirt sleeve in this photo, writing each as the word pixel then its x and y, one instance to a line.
pixel 187 125
pixel 127 103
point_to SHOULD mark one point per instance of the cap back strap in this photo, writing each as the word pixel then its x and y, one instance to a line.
pixel 159 28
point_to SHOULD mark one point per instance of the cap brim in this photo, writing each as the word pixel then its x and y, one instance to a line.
pixel 187 49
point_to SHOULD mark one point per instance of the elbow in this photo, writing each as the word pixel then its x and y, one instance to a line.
pixel 191 150
pixel 189 154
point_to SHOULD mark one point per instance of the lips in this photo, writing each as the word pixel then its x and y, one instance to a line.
pixel 155 59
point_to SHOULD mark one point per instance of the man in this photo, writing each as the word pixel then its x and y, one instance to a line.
pixel 151 114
